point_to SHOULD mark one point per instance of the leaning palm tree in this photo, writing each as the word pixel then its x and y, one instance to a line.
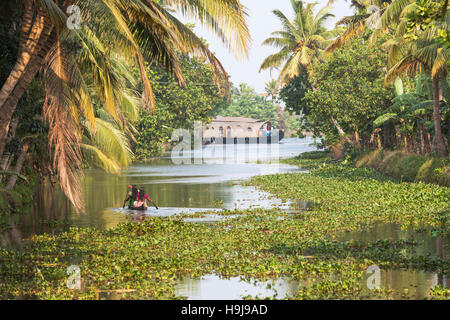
pixel 301 41
pixel 139 30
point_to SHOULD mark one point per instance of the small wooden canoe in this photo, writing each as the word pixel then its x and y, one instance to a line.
pixel 141 208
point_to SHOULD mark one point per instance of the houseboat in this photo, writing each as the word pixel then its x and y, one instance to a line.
pixel 236 130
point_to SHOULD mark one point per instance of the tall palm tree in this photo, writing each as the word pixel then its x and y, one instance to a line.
pixel 139 30
pixel 301 41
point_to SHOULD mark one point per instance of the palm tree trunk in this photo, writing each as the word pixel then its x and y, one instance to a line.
pixel 7 158
pixel 441 150
pixel 341 132
pixel 27 22
pixel 7 111
pixel 422 138
pixel 357 140
pixel 26 55
pixel 19 164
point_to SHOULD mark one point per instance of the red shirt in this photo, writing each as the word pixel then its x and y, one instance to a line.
pixel 145 196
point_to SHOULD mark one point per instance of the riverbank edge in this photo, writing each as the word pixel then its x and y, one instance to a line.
pixel 406 166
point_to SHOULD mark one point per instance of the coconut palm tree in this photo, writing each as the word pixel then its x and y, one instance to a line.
pixel 301 41
pixel 429 57
pixel 416 52
pixel 272 89
pixel 138 30
pixel 367 16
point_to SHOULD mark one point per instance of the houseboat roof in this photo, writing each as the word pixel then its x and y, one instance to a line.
pixel 236 119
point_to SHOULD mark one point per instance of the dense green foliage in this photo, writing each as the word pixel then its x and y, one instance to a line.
pixel 177 108
pixel 349 89
pixel 351 98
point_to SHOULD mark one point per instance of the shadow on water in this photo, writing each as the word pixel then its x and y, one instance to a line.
pixel 50 214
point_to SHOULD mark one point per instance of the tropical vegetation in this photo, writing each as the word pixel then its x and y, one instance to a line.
pixel 381 83
pixel 302 41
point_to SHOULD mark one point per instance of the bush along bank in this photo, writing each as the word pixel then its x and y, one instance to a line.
pixel 407 167
pixel 146 259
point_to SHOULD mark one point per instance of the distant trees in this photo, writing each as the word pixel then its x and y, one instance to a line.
pixel 247 103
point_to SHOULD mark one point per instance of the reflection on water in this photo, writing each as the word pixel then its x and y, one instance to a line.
pixel 50 215
pixel 407 284
pixel 415 284
pixel 426 244
pixel 212 287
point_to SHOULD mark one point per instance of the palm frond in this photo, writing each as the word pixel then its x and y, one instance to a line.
pixel 224 17
pixel 61 113
pixel 353 30
pixel 408 65
pixel 96 157
pixel 111 141
pixel 384 118
pixel 393 12
pixel 275 60
pixel 440 62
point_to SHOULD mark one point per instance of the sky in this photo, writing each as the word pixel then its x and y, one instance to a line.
pixel 262 22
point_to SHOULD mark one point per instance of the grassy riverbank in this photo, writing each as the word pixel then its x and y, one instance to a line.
pixel 145 259
pixel 407 167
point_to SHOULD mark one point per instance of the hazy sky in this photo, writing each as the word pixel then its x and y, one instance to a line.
pixel 262 22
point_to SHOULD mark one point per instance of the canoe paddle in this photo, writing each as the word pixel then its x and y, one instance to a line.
pixel 154 205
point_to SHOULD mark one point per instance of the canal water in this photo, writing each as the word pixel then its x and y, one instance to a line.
pixel 187 182
pixel 195 181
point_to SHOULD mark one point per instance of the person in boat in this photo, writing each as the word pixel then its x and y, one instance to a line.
pixel 132 196
pixel 142 199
